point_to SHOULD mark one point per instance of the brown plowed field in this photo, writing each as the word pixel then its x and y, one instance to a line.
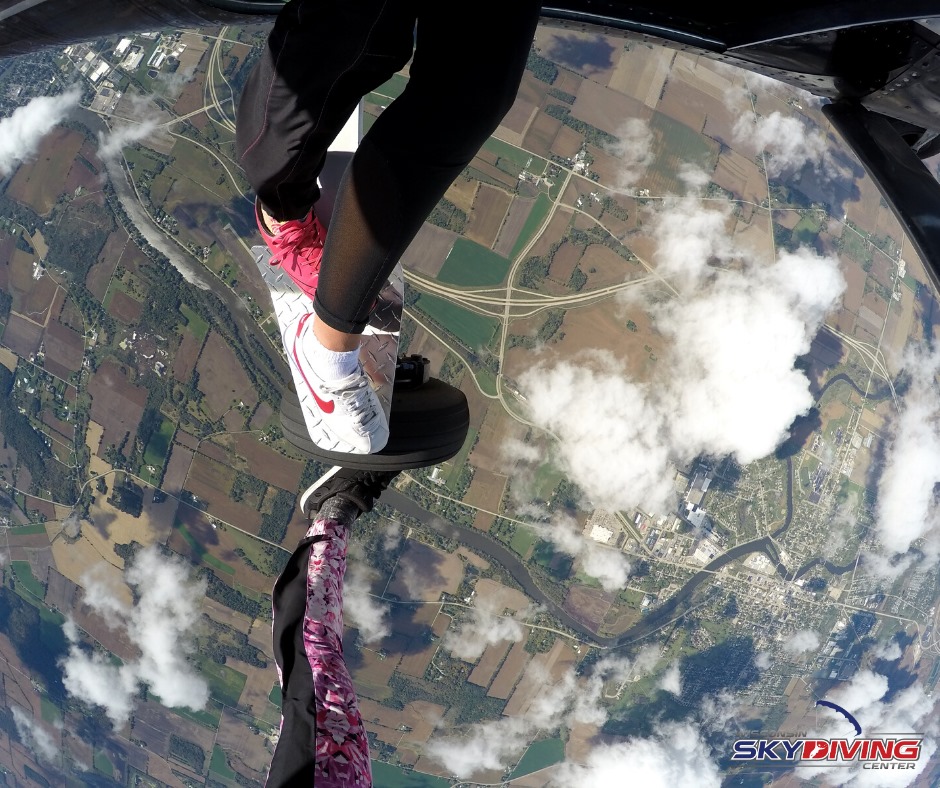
pixel 185 360
pixel 855 284
pixel 486 217
pixel 497 427
pixel 222 379
pixel 423 573
pixel 519 210
pixel 486 490
pixel 556 662
pixel 116 403
pixel 483 673
pixel 7 246
pixel 741 176
pixel 461 193
pixel 510 672
pixel 100 273
pixel 22 336
pixel 427 252
pixel 567 142
pixel 64 346
pixel 518 117
pixel 81 174
pixel 261 416
pixel 556 229
pixel 64 429
pixel 588 605
pixel 541 134
pixel 40 182
pixel 564 262
pixel 38 302
pixel 212 481
pixel 606 109
pixel 125 308
pixel 610 267
pixel 269 465
pixel 244 748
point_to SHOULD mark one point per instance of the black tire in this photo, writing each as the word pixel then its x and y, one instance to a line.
pixel 427 425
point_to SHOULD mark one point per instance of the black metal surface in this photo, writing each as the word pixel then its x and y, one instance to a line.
pixel 907 185
pixel 428 425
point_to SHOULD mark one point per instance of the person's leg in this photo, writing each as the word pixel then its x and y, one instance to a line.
pixel 321 57
pixel 464 77
pixel 323 742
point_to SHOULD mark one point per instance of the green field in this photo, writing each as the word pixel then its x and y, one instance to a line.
pixel 200 554
pixel 389 776
pixel 28 530
pixel 516 155
pixel 522 540
pixel 49 711
pixel 539 756
pixel 225 684
pixel 677 144
pixel 159 443
pixel 103 763
pixel 253 549
pixel 461 459
pixel 546 480
pixel 275 695
pixel 807 230
pixel 394 87
pixel 24 578
pixel 115 285
pixel 219 764
pixel 196 325
pixel 210 718
pixel 536 217
pixel 471 265
pixel 474 330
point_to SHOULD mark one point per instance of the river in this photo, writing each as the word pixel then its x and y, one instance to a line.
pixel 191 270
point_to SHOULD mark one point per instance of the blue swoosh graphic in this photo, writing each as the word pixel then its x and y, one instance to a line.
pixel 843 712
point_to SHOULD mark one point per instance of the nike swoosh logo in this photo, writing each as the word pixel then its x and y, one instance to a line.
pixel 326 407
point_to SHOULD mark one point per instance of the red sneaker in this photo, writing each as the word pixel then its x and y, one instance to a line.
pixel 297 247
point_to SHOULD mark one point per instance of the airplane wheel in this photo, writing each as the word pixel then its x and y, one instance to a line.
pixel 427 425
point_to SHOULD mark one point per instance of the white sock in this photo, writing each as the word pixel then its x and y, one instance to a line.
pixel 331 365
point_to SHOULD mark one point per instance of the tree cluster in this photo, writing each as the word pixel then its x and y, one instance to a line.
pixel 188 752
pixel 274 523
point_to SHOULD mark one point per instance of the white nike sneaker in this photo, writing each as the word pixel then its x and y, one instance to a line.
pixel 341 415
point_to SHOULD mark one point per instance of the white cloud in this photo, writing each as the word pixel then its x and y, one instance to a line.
pixel 725 383
pixel 110 145
pixel 889 651
pixel 33 735
pixel 363 610
pixel 802 641
pixel 161 624
pixel 391 536
pixel 671 680
pixel 788 140
pixel 21 133
pixel 571 699
pixel 484 627
pixel 634 149
pixel 763 660
pixel 909 711
pixel 675 757
pixel 487 746
pixel 907 506
pixel 605 564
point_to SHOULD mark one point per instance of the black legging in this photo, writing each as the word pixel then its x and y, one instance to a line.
pixel 322 56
